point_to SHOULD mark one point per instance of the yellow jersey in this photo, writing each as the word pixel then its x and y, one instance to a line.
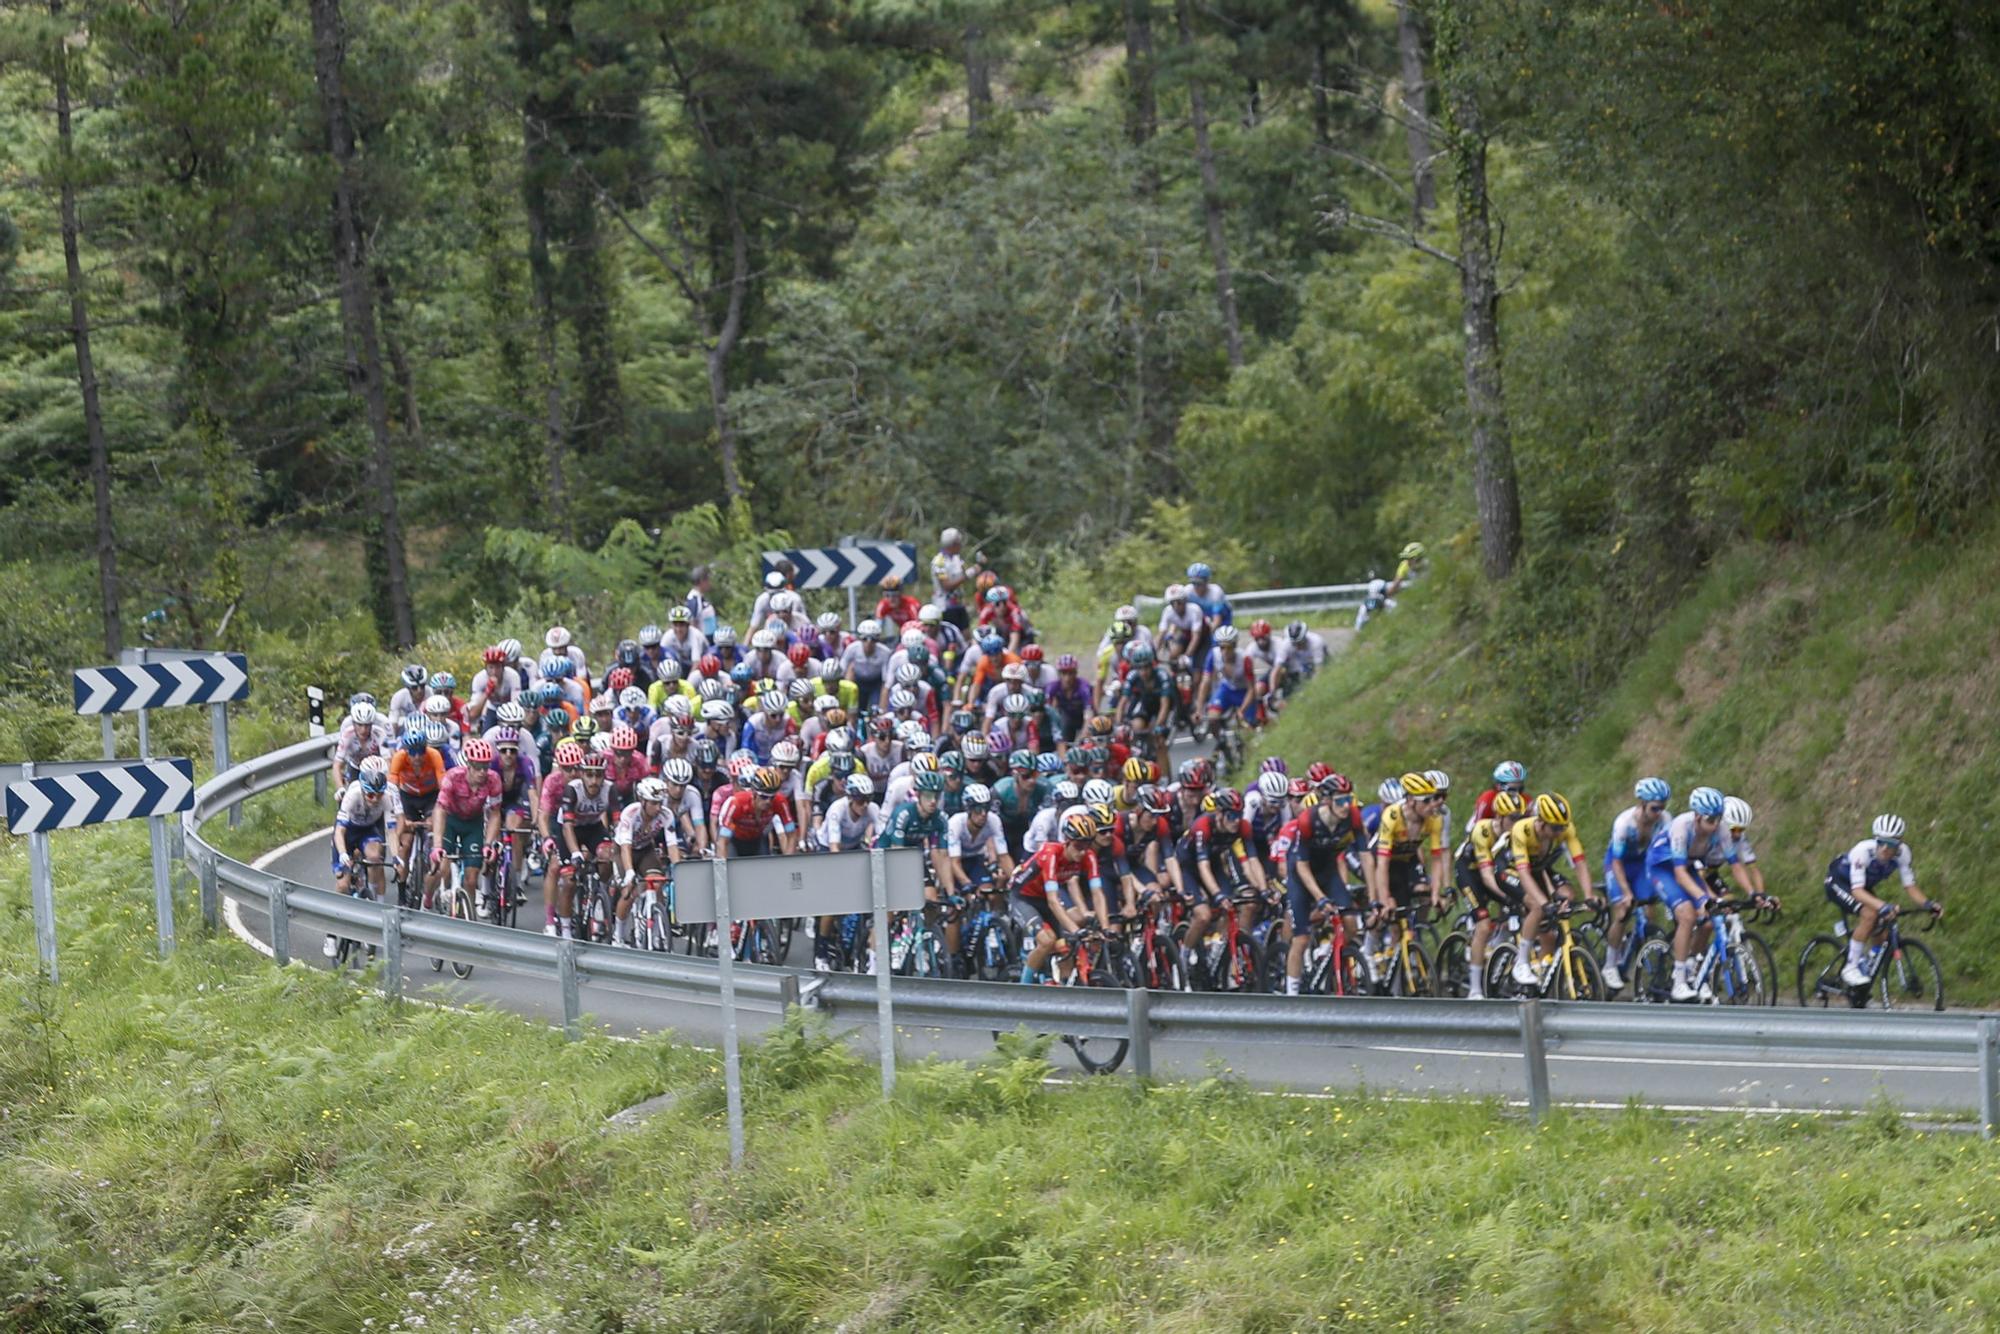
pixel 1533 851
pixel 1397 840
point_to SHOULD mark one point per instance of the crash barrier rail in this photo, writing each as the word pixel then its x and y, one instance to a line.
pixel 1247 606
pixel 1527 1030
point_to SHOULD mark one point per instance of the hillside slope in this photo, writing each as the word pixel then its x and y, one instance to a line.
pixel 1823 684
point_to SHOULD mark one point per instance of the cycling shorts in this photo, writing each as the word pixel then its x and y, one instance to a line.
pixel 1510 899
pixel 979 871
pixel 464 838
pixel 1840 894
pixel 417 806
pixel 592 837
pixel 1299 900
pixel 1031 915
pixel 1666 886
pixel 1404 878
pixel 359 836
pixel 1227 698
pixel 1643 890
pixel 652 857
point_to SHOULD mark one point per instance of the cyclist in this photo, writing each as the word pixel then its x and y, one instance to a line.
pixel 1625 879
pixel 975 845
pixel 864 661
pixel 1736 818
pixel 520 781
pixel 1684 845
pixel 362 735
pixel 919 822
pixel 564 763
pixel 415 771
pixel 465 821
pixel 1408 563
pixel 1003 615
pixel 1229 681
pixel 647 844
pixel 756 819
pixel 1508 776
pixel 1851 879
pixel 560 644
pixel 1484 866
pixel 1215 869
pixel 949 571
pixel 408 699
pixel 685 642
pixel 586 834
pixel 896 608
pixel 1305 652
pixel 684 798
pixel 852 821
pixel 1317 846
pixel 1181 623
pixel 1017 797
pixel 1267 654
pixel 1050 893
pixel 1409 850
pixel 364 806
pixel 1148 697
pixel 1535 844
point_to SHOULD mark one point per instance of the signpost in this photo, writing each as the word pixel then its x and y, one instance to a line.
pixel 41 797
pixel 316 727
pixel 856 563
pixel 757 888
pixel 163 678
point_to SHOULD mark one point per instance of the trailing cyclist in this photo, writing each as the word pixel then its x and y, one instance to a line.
pixel 1686 846
pixel 1625 878
pixel 358 828
pixel 1317 846
pixel 1537 841
pixel 1851 879
pixel 648 843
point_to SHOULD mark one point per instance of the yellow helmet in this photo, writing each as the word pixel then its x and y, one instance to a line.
pixel 1104 815
pixel 1551 808
pixel 1417 785
pixel 1509 803
pixel 1138 771
pixel 1414 551
pixel 924 762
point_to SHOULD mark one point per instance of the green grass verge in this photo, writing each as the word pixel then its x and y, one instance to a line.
pixel 1823 684
pixel 214 1144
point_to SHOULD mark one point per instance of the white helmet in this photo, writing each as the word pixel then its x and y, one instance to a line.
pixel 821 703
pixel 600 743
pixel 437 706
pixel 631 697
pixel 511 714
pixel 1736 813
pixel 677 706
pixel 718 711
pixel 557 638
pixel 1274 786
pixel 1390 792
pixel 1439 779
pixel 374 768
pixel 764 639
pixel 1096 790
pixel 929 614
pixel 652 789
pixel 913 635
pixel 677 770
pixel 1175 593
pixel 950 537
pixel 1128 612
pixel 870 629
pixel 774 580
pixel 860 785
pixel 668 668
pixel 363 714
pixel 1887 826
pixel 1225 634
pixel 725 636
pixel 784 602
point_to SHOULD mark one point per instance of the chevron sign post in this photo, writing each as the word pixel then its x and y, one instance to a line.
pixel 42 797
pixel 865 562
pixel 165 678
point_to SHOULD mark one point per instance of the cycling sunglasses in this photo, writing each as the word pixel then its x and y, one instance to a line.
pixel 1890 844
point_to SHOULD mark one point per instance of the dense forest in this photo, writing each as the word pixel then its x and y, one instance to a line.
pixel 395 308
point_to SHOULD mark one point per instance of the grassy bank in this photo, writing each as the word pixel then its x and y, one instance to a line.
pixel 215 1144
pixel 1823 684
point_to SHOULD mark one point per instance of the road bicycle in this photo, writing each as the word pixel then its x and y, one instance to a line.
pixel 1402 967
pixel 652 923
pixel 499 896
pixel 1902 974
pixel 349 953
pixel 1333 965
pixel 592 919
pixel 1229 959
pixel 454 902
pixel 990 942
pixel 1646 958
pixel 1569 972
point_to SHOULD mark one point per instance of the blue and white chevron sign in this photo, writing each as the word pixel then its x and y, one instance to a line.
pixel 213 679
pixel 864 563
pixel 97 793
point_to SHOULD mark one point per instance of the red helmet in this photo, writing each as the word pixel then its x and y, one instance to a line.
pixel 1319 772
pixel 1066 663
pixel 619 678
pixel 1300 787
pixel 495 656
pixel 1260 629
pixel 710 665
pixel 1338 785
pixel 477 752
pixel 568 754
pixel 1031 653
pixel 624 738
pixel 799 654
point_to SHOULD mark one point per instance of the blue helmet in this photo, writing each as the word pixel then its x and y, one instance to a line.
pixel 1199 570
pixel 415 739
pixel 742 672
pixel 436 732
pixel 1706 801
pixel 558 668
pixel 1048 762
pixel 991 643
pixel 548 694
pixel 1509 771
pixel 1654 789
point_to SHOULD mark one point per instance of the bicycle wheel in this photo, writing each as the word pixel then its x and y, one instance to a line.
pixel 1755 977
pixel 1413 978
pixel 1652 974
pixel 1579 978
pixel 1500 983
pixel 1098 1056
pixel 1910 980
pixel 1271 959
pixel 460 909
pixel 1820 963
pixel 781 938
pixel 1453 966
pixel 1243 967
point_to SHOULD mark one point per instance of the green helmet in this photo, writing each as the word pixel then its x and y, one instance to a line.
pixel 918 654
pixel 1036 696
pixel 1020 759
pixel 927 780
pixel 953 760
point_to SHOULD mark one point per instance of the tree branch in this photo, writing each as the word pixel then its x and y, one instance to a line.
pixel 1340 216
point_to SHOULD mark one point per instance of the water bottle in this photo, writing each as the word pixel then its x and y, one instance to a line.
pixel 1840 929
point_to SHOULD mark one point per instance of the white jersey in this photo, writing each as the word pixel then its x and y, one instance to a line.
pixel 1307 654
pixel 1042 829
pixel 996 698
pixel 842 830
pixel 359 808
pixel 865 666
pixel 634 829
pixel 404 705
pixel 356 744
pixel 1187 619
pixel 961 840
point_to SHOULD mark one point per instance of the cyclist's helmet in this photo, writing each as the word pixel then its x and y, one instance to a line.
pixel 1067 663
pixel 628 651
pixel 725 636
pixel 1653 789
pixel 828 621
pixel 909 674
pixel 477 752
pixel 361 697
pixel 650 636
pixel 593 759
pixel 512 648
pixel 996 595
pixel 975 746
pixel 1736 813
pixel 1152 800
pixel 511 714
pixel 1413 551
pixel 1048 762
pixel 764 781
pixel 1015 705
pixel 1337 785
pixel 1120 631
pixel 374 773
pixel 842 763
pixel 1260 629
pixel 882 725
pixel 415 739
pixel 1706 801
pixel 584 728
pixel 495 656
pixel 1031 653
pixel 742 673
pixel 901 698
pixel 1274 764
pixel 668 669
pixel 679 615
pixel 437 706
pixel 711 688
pixel 1439 780
pixel 631 697
pixel 1296 630
pixel 859 786
pixel 678 772
pixel 569 754
pixel 1079 827
pixel 1509 771
pixel 706 753
pixel 548 695
pixel 1274 785
pixel 799 655
pixel 978 796
pixel 1552 808
pixel 839 740
pixel 557 638
pixel 1199 571
pixel 677 708
pixel 651 789
pixel 919 652
pixel 1137 770
pixel 1098 790
pixel 1888 828
pixel 1318 772
pixel 1067 792
pixel 362 714
pixel 952 761
pixel 1194 773
pixel 1418 785
pixel 772 701
pixel 1225 634
pixel 1390 792
pixel 1100 725
pixel 444 681
pixel 1020 761
pixel 924 763
pixel 990 643
pixel 1139 653
pixel 624 738
pixel 619 679
pixel 1106 818
pixel 763 639
pixel 710 665
pixel 800 691
pixel 786 754
pixel 926 780
pixel 1509 804
pixel 436 732
pixel 558 668
pixel 717 711
pixel 869 629
pixel 1300 787
pixel 414 675
pixel 505 738
pixel 1223 801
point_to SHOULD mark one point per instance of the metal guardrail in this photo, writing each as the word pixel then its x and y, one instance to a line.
pixel 1321 597
pixel 1529 1030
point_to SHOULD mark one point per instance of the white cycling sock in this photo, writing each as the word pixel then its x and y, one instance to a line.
pixel 1291 986
pixel 1855 951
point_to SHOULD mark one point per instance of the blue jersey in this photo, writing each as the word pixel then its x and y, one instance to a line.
pixel 1679 843
pixel 1628 843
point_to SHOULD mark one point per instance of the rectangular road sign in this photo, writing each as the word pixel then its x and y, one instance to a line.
pixel 865 562
pixel 66 796
pixel 212 678
pixel 826 885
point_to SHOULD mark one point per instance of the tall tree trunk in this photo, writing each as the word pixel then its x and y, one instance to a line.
pixel 1142 111
pixel 362 353
pixel 1416 102
pixel 86 367
pixel 1211 196
pixel 978 79
pixel 1322 104
pixel 1494 486
pixel 541 272
pixel 725 340
pixel 410 418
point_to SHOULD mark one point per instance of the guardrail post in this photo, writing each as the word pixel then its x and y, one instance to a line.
pixel 281 922
pixel 788 992
pixel 163 884
pixel 218 726
pixel 725 971
pixel 571 996
pixel 1139 1030
pixel 392 952
pixel 1536 1052
pixel 1989 1076
pixel 110 738
pixel 211 899
pixel 885 1013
